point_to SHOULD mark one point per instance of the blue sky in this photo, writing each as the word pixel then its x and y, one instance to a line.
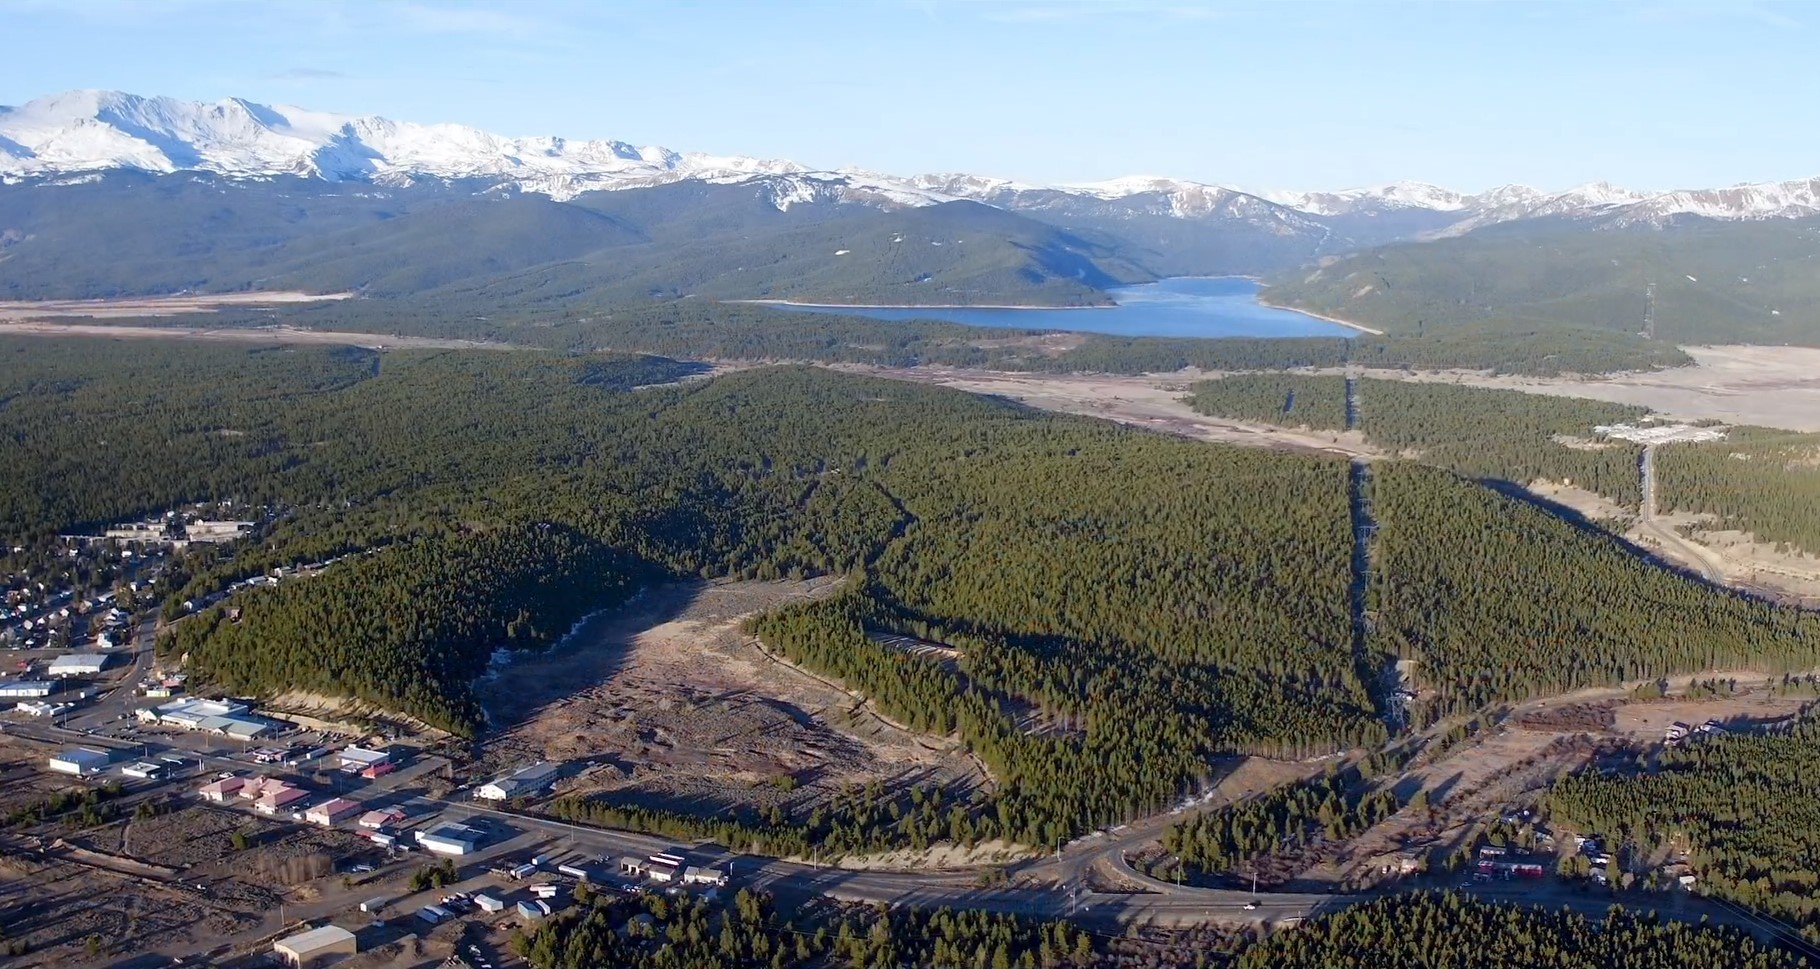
pixel 1264 95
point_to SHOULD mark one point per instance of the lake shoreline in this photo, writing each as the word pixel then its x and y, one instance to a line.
pixel 917 306
pixel 1362 328
pixel 1179 307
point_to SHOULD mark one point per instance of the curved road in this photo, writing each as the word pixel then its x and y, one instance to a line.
pixel 1679 548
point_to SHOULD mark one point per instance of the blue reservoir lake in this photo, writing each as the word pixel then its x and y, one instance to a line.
pixel 1192 306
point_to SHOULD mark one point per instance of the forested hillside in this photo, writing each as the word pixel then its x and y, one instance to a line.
pixel 1124 605
pixel 1427 931
pixel 193 232
pixel 1497 599
pixel 1745 809
pixel 1712 282
pixel 1485 433
pixel 1761 481
pixel 411 627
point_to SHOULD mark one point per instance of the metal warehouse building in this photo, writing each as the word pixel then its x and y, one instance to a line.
pixel 449 839
pixel 79 761
pixel 530 780
pixel 26 689
pixel 77 664
pixel 315 946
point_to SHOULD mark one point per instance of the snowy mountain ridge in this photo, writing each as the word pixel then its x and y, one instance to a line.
pixel 82 132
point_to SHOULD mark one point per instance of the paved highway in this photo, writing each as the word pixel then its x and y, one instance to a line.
pixel 1050 887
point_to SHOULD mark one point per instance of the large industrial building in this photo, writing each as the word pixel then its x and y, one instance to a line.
pixel 449 838
pixel 26 689
pixel 79 761
pixel 522 783
pixel 307 949
pixel 223 717
pixel 78 664
pixel 361 758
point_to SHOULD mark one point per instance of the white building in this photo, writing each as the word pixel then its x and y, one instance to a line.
pixel 521 783
pixel 79 761
pixel 26 689
pixel 306 949
pixel 450 839
pixel 78 664
pixel 361 758
pixel 143 769
pixel 704 876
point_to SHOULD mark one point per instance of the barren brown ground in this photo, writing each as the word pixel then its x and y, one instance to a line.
pixel 1766 386
pixel 1153 402
pixel 668 702
pixel 1511 764
pixel 154 305
pixel 261 334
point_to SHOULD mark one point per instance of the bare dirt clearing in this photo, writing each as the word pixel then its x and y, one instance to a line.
pixel 154 305
pixel 1766 386
pixel 261 334
pixel 1510 765
pixel 671 704
pixel 1151 401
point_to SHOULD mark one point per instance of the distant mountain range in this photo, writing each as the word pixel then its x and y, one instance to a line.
pixel 80 132
pixel 106 194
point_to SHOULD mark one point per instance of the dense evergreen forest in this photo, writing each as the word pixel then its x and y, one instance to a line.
pixel 1495 599
pixel 1700 281
pixel 1124 605
pixel 1448 931
pixel 1336 806
pixel 1761 481
pixel 650 931
pixel 1288 400
pixel 1744 808
pixel 1500 435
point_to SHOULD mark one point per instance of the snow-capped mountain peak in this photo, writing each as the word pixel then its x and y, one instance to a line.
pixel 77 133
pixel 98 130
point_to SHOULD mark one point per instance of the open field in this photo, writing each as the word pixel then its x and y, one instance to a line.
pixel 1767 386
pixel 141 306
pixel 1152 401
pixel 670 703
pixel 261 334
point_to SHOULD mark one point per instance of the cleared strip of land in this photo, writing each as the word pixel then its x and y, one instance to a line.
pixel 154 305
pixel 251 334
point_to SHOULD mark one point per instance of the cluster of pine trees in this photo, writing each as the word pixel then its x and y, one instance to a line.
pixel 1484 433
pixel 659 932
pixel 1761 481
pixel 1744 807
pixel 1449 931
pixel 856 821
pixel 1498 600
pixel 409 628
pixel 1336 806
